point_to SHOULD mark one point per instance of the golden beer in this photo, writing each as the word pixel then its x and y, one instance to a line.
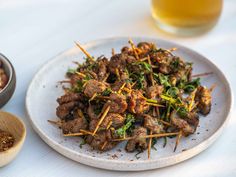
pixel 186 15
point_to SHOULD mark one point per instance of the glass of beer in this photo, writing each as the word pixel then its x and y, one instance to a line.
pixel 186 17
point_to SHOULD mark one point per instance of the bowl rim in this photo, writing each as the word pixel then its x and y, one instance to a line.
pixel 11 68
pixel 22 136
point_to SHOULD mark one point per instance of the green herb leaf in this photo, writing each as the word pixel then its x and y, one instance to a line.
pixel 128 123
pixel 168 98
pixel 87 77
pixel 165 142
pixel 107 92
pixel 98 108
pixel 140 81
pixel 90 65
pixel 191 86
pixel 71 71
pixel 175 64
pixel 154 141
pixel 195 82
pixel 78 88
pixel 189 64
pixel 140 78
pixel 144 65
pixel 82 143
pixel 173 92
pixel 182 111
pixel 164 80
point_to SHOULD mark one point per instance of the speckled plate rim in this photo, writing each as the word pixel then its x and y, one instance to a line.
pixel 118 165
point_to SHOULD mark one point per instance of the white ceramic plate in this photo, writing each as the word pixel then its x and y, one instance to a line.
pixel 43 92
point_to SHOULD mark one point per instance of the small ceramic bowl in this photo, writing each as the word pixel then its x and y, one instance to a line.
pixel 7 92
pixel 16 127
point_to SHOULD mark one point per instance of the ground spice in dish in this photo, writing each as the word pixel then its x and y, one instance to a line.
pixel 6 140
pixel 3 77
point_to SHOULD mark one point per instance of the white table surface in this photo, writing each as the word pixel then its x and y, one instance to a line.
pixel 31 32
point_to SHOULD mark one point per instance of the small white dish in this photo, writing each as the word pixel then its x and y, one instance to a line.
pixel 41 105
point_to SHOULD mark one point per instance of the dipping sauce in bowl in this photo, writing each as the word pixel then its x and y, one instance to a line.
pixel 7 80
pixel 3 77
